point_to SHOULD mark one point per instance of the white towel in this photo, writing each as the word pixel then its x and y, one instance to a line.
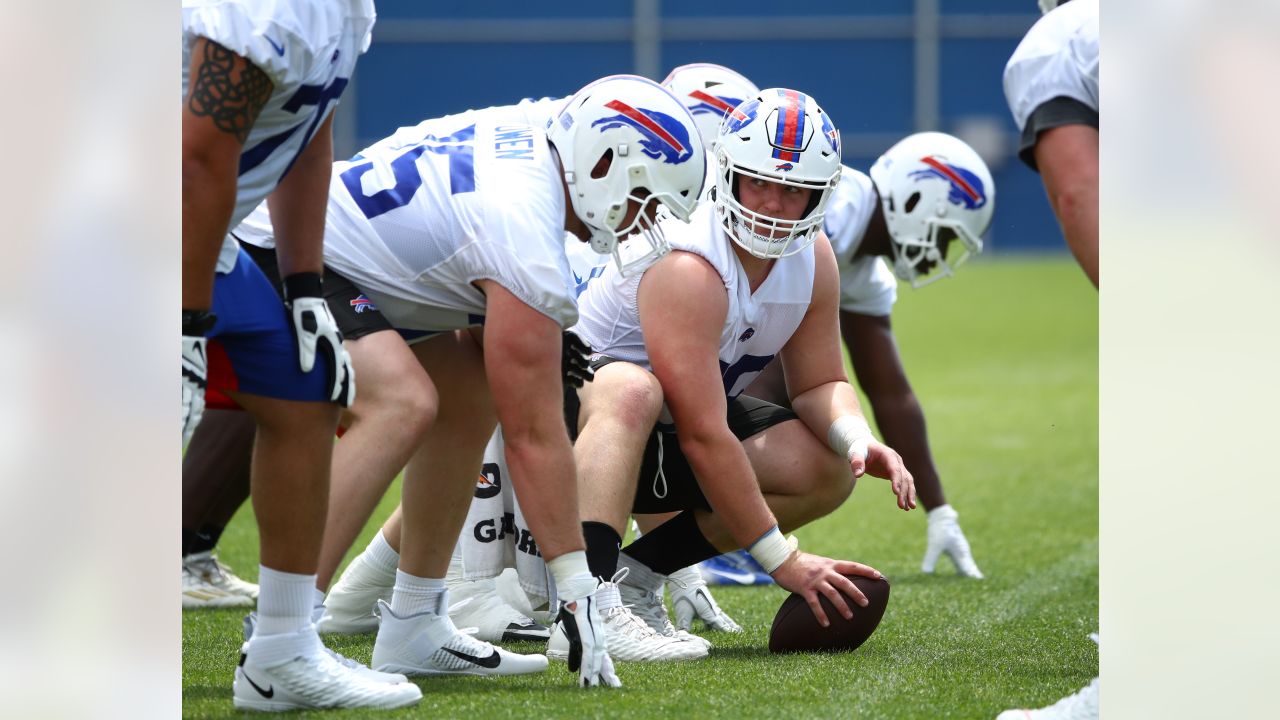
pixel 495 536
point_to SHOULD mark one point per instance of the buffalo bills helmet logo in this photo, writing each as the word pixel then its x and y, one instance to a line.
pixel 741 116
pixel 708 104
pixel 785 167
pixel 833 135
pixel 966 188
pixel 663 137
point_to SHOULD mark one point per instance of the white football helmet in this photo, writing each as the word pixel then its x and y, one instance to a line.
pixel 618 135
pixel 709 92
pixel 930 183
pixel 780 136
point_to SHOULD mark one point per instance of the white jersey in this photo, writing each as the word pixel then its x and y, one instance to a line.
pixel 1057 58
pixel 417 218
pixel 756 327
pixel 308 49
pixel 867 285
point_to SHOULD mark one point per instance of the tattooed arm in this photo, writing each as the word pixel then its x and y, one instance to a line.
pixel 225 93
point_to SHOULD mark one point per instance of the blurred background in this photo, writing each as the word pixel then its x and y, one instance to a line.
pixel 882 70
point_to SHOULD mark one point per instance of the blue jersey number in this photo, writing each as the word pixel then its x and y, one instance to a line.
pixel 462 175
pixel 318 95
pixel 746 364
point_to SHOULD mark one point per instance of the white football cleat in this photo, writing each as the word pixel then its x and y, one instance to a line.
pixel 312 679
pixel 208 567
pixel 691 598
pixel 430 644
pixel 198 593
pixel 946 537
pixel 1080 705
pixel 627 637
pixel 251 624
pixel 646 604
pixel 477 603
pixel 348 608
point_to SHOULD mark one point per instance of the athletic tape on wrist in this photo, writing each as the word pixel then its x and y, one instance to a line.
pixel 572 576
pixel 771 550
pixel 849 435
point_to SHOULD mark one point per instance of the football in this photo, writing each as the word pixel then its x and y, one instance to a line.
pixel 795 629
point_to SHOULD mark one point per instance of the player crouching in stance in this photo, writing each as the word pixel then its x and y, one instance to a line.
pixel 752 276
pixel 461 221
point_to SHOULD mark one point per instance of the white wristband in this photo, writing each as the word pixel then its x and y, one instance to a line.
pixel 572 576
pixel 849 435
pixel 771 550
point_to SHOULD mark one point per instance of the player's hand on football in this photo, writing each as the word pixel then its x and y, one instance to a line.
pixel 318 332
pixel 812 575
pixel 195 378
pixel 588 654
pixel 883 461
pixel 690 598
pixel 575 361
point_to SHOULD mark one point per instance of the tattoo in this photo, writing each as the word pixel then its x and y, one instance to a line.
pixel 233 100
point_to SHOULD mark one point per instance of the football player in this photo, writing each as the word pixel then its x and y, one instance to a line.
pixel 456 223
pixel 260 81
pixel 865 225
pixel 665 425
pixel 1051 83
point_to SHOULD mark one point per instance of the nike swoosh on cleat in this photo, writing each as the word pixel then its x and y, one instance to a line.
pixel 268 693
pixel 487 662
pixel 742 578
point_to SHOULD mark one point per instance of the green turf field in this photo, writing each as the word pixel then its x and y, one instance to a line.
pixel 1004 359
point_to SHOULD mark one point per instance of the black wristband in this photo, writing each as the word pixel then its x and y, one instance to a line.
pixel 303 284
pixel 197 323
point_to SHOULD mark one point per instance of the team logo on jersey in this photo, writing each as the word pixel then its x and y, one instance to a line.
pixel 788 134
pixel 360 303
pixel 747 334
pixel 664 137
pixel 966 188
pixel 784 167
pixel 489 484
pixel 741 116
pixel 709 104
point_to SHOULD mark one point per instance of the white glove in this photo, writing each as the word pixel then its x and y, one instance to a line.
pixel 316 329
pixel 588 655
pixel 691 597
pixel 195 378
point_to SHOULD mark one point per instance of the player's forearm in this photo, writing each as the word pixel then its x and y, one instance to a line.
pixel 208 199
pixel 820 406
pixel 542 474
pixel 727 480
pixel 298 206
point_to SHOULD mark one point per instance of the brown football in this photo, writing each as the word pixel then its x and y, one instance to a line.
pixel 795 629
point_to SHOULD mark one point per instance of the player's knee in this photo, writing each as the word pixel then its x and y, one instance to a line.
pixel 408 409
pixel 634 397
pixel 833 481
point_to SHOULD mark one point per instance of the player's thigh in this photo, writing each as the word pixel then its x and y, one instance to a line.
pixel 390 380
pixel 455 363
pixel 788 459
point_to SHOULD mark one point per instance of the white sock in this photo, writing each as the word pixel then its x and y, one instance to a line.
pixel 414 595
pixel 381 555
pixel 317 597
pixel 639 574
pixel 284 601
pixel 942 512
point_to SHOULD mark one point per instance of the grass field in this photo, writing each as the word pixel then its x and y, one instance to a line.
pixel 1004 360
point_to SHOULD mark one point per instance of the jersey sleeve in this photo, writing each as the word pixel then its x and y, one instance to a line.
pixel 282 38
pixel 868 287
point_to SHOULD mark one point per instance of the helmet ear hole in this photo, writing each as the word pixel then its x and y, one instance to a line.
pixel 911 202
pixel 602 165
